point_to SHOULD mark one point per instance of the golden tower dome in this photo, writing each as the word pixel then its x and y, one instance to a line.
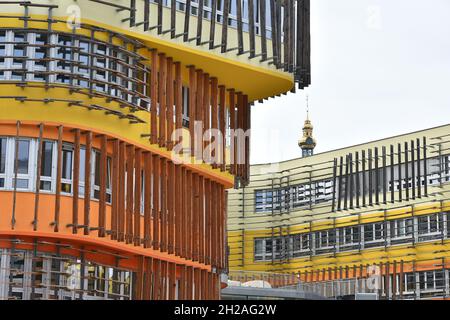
pixel 307 142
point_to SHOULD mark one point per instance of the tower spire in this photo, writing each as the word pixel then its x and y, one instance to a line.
pixel 307 142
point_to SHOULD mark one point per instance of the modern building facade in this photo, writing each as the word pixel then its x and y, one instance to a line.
pixel 94 201
pixel 371 218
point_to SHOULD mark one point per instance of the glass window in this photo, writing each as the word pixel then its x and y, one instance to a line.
pixel 67 162
pixel 2 155
pixel 47 159
pixel 47 166
pixel 23 157
pixel 2 161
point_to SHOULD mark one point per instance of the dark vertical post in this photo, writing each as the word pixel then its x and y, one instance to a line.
pixel 347 161
pixel 358 181
pixel 341 164
pixel 351 177
pixel 38 177
pixel 399 166
pixel 392 168
pixel 406 171
pixel 377 177
pixel 413 172
pixel 130 193
pixel 239 27
pixel 58 179
pixel 333 205
pixel 251 24
pixel 262 28
pixel 147 200
pixel 369 153
pixel 212 28
pixel 87 183
pixel 419 173
pixel 187 15
pixel 425 169
pixel 137 197
pixel 384 164
pixel 364 179
pixel 102 197
pixel 76 181
pixel 226 9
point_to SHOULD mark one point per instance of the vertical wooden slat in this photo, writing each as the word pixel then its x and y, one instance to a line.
pixel 160 16
pixel 394 280
pixel 206 108
pixel 413 172
pixel 189 238
pixel 238 145
pixel 274 25
pixel 178 96
pixel 419 173
pixel 351 179
pixel 212 27
pixel 401 276
pixel 156 204
pixel 399 168
pixel 170 103
pixel 139 284
pixel 187 15
pixel 192 106
pixel 76 181
pixel 130 194
pixel 178 195
pixel 149 281
pixel 247 127
pixel 137 197
pixel 171 204
pixel 233 147
pixel 341 167
pixel 121 194
pixel 148 200
pixel 201 224
pixel 38 177
pixel 425 168
pixel 226 8
pixel 154 97
pixel 173 18
pixel 198 142
pixel 392 161
pixel 364 179
pixel 102 197
pixel 384 164
pixel 87 183
pixel 58 179
pixel 333 201
pixel 162 99
pixel 370 161
pixel 115 190
pixel 222 223
pixel 185 216
pixel 358 180
pixel 146 15
pixel 406 171
pixel 262 27
pixel 240 35
pixel 172 281
pixel 214 117
pixel 156 279
pixel 377 178
pixel 163 205
pixel 199 23
pixel 222 123
pixel 251 24
pixel 196 218
pixel 208 233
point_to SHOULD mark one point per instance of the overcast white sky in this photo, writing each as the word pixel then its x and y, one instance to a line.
pixel 379 68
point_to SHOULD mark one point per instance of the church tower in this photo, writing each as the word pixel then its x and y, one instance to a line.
pixel 307 142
